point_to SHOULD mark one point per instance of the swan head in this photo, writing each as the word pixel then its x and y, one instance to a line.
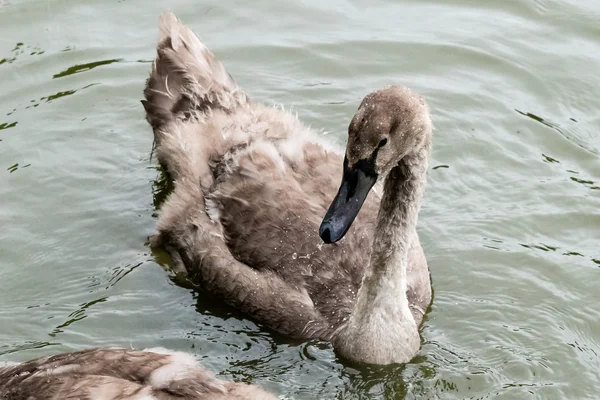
pixel 389 124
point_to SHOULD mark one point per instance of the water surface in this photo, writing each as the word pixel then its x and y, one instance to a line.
pixel 510 220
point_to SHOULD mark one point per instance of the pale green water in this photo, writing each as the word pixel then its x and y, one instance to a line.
pixel 510 224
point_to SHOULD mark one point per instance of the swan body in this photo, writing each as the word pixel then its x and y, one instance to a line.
pixel 120 374
pixel 252 185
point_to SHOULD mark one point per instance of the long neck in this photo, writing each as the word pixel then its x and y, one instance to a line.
pixel 381 328
pixel 384 284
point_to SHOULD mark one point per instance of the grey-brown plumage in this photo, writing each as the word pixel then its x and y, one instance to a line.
pixel 119 374
pixel 252 185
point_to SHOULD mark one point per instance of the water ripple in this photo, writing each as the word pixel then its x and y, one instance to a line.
pixel 509 221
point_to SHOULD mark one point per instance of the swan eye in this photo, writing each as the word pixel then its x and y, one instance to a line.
pixel 383 142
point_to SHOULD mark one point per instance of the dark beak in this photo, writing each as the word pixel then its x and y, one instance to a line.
pixel 356 183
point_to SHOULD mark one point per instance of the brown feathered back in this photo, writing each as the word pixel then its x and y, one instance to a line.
pixel 119 374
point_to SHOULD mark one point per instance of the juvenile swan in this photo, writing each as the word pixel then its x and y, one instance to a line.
pixel 119 374
pixel 251 184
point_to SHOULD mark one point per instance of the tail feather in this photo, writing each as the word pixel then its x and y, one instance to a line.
pixel 186 81
pixel 186 77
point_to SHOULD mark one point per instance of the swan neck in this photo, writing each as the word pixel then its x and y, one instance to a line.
pixel 381 328
pixel 384 283
pixel 397 220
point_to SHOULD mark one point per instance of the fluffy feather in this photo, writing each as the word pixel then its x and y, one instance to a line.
pixel 251 184
pixel 120 374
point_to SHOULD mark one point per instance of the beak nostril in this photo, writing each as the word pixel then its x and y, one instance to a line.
pixel 326 235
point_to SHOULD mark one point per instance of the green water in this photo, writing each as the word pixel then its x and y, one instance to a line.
pixel 510 221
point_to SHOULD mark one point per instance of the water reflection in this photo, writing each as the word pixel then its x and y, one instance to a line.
pixel 161 188
pixel 543 247
pixel 112 276
pixel 549 159
pixel 57 95
pixel 584 182
pixel 27 345
pixel 18 50
pixel 500 245
pixel 7 125
pixel 556 127
pixel 547 248
pixel 16 166
pixel 76 316
pixel 588 183
pixel 75 69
